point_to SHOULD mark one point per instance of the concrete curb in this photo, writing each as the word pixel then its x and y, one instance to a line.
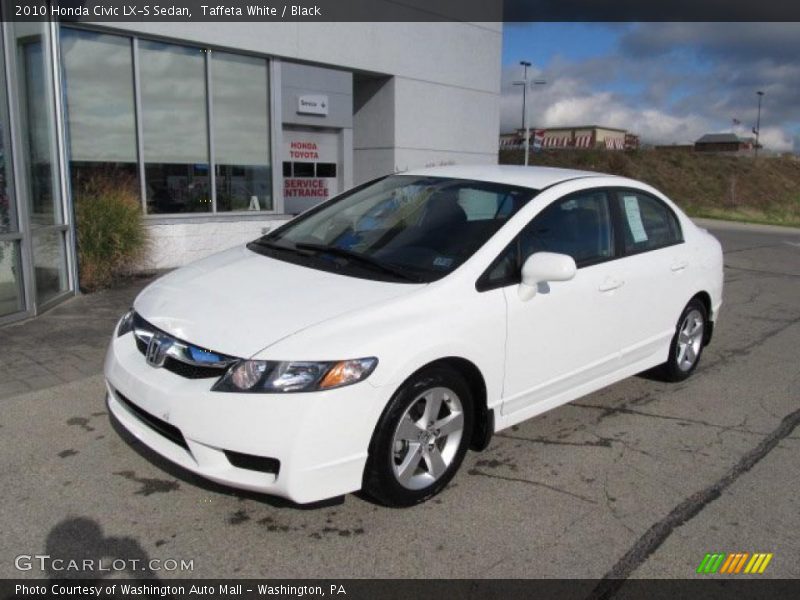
pixel 739 226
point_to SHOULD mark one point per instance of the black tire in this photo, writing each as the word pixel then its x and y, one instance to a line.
pixel 677 367
pixel 387 454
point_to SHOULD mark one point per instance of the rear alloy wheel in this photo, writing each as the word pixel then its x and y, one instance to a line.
pixel 421 438
pixel 687 343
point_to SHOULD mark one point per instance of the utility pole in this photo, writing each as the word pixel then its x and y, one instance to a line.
pixel 758 120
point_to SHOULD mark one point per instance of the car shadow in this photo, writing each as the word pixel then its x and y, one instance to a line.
pixel 654 374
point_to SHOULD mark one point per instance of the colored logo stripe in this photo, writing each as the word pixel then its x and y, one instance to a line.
pixel 734 563
pixel 758 563
pixel 720 562
pixel 711 563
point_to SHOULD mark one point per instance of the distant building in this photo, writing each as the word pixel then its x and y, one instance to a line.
pixel 724 142
pixel 583 136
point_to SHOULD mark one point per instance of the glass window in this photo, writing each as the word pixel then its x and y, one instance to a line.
pixel 11 297
pixel 240 107
pixel 49 264
pixel 647 222
pixel 37 126
pixel 8 207
pixel 174 131
pixel 326 169
pixel 579 225
pixel 303 169
pixel 99 98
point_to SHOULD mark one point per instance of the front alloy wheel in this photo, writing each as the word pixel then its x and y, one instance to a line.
pixel 421 438
pixel 427 438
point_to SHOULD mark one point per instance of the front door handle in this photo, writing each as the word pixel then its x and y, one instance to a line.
pixel 679 265
pixel 610 283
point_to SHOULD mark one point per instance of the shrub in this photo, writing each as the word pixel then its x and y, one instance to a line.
pixel 112 238
pixel 619 164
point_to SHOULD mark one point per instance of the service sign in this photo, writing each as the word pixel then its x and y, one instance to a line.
pixel 312 158
pixel 312 105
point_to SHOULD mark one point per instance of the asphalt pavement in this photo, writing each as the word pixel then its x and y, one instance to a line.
pixel 640 479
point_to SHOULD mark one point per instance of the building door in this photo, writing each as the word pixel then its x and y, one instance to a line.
pixel 312 165
pixel 12 289
pixel 34 225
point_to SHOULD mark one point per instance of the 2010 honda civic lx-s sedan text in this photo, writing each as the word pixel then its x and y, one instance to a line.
pixel 371 341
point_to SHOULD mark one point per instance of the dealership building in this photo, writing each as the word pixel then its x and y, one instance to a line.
pixel 221 130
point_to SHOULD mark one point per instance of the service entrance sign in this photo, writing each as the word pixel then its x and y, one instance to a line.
pixel 312 162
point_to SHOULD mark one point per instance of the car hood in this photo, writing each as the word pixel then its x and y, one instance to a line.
pixel 238 302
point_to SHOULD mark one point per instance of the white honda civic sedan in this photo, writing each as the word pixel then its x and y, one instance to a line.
pixel 371 341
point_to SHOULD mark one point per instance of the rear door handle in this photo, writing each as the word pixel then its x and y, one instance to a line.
pixel 610 283
pixel 679 265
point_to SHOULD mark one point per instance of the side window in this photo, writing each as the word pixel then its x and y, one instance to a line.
pixel 578 225
pixel 647 223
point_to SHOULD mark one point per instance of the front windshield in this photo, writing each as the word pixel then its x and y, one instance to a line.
pixel 399 228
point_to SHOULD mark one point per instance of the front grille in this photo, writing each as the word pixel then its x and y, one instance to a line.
pixel 176 366
pixel 170 432
pixel 252 462
pixel 192 372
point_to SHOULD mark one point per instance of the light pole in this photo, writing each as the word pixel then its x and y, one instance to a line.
pixel 535 82
pixel 524 84
pixel 758 120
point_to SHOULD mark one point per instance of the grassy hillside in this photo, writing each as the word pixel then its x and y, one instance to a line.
pixel 766 190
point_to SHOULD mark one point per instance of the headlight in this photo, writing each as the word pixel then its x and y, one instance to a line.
pixel 293 376
pixel 125 323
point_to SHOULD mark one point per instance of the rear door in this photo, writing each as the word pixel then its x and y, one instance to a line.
pixel 654 268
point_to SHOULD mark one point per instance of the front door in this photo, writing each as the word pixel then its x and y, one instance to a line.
pixel 568 334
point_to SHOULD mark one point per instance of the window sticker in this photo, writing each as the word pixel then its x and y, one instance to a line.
pixel 442 262
pixel 634 218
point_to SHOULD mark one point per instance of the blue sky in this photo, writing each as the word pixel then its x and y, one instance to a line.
pixel 669 82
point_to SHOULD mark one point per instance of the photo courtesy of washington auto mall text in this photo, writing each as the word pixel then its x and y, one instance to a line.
pixel 163 590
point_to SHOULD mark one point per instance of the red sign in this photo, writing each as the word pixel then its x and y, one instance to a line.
pixel 303 150
pixel 305 187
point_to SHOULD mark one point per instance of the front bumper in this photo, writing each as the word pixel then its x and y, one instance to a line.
pixel 320 439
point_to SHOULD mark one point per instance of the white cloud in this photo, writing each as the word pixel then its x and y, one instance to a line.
pixel 772 138
pixel 568 102
pixel 672 83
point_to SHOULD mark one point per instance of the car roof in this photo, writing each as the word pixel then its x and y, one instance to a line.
pixel 531 177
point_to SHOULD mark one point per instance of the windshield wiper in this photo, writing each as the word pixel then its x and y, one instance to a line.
pixel 362 258
pixel 275 246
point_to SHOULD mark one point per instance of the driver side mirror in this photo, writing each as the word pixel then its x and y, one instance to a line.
pixel 542 267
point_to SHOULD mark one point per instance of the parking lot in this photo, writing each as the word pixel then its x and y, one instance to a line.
pixel 641 479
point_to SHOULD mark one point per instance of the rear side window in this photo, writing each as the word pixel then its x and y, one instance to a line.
pixel 647 223
pixel 578 225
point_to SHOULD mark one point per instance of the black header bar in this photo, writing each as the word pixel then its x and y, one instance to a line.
pixel 398 10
